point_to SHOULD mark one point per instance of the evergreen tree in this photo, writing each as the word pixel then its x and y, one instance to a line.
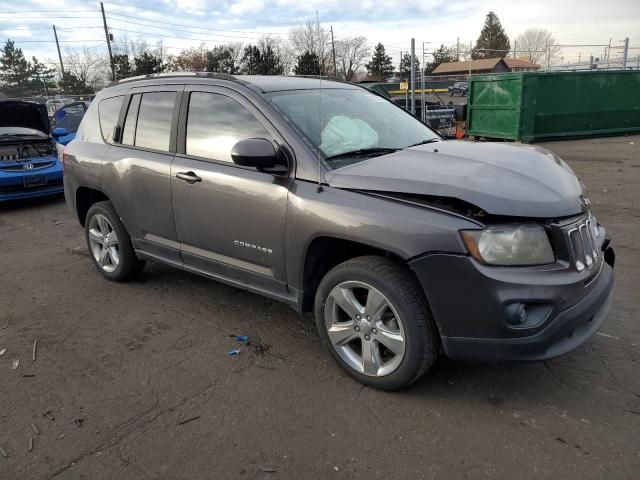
pixel 72 84
pixel 261 62
pixel 122 66
pixel 251 60
pixel 271 63
pixel 405 67
pixel 42 78
pixel 441 55
pixel 493 42
pixel 308 64
pixel 15 71
pixel 217 59
pixel 380 67
pixel 147 63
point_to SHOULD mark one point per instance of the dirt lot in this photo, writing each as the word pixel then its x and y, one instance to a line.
pixel 133 381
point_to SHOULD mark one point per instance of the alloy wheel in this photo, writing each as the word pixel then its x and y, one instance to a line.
pixel 364 328
pixel 103 242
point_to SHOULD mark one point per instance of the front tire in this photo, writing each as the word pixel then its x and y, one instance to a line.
pixel 372 315
pixel 109 244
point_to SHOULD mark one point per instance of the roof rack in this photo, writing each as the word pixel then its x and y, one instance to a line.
pixel 221 76
pixel 320 77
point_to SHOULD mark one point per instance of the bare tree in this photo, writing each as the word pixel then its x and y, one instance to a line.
pixel 89 67
pixel 131 48
pixel 234 53
pixel 190 60
pixel 536 44
pixel 351 53
pixel 312 38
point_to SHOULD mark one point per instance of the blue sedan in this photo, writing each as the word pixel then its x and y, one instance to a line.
pixel 29 164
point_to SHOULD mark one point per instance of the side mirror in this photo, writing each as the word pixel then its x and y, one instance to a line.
pixel 60 132
pixel 254 152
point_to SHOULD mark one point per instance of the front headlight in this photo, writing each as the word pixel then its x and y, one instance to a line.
pixel 510 246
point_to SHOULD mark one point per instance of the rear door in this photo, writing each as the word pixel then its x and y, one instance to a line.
pixel 230 220
pixel 137 169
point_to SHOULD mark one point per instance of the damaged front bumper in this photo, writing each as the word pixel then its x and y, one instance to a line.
pixel 496 313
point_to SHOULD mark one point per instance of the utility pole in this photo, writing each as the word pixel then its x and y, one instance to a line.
pixel 106 36
pixel 55 34
pixel 422 109
pixel 333 49
pixel 608 53
pixel 548 57
pixel 413 76
pixel 457 49
pixel 515 48
pixel 625 53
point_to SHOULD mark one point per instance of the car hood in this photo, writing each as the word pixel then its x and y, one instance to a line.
pixel 18 113
pixel 501 179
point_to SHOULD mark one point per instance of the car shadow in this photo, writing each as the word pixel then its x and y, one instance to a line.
pixel 29 203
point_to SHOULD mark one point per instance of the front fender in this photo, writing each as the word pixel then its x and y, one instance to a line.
pixel 402 229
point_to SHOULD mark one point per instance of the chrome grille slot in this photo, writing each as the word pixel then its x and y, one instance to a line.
pixel 583 243
pixel 20 167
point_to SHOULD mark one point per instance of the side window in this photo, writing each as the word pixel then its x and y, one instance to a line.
pixel 154 120
pixel 129 131
pixel 108 112
pixel 215 123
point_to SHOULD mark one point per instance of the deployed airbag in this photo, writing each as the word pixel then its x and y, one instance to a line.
pixel 343 134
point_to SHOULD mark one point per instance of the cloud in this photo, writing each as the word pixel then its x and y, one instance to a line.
pixel 392 23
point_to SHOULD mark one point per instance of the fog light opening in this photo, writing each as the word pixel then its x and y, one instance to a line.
pixel 527 315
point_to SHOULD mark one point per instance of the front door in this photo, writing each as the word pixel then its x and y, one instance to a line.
pixel 229 219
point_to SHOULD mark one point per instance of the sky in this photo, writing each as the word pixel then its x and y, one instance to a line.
pixel 185 23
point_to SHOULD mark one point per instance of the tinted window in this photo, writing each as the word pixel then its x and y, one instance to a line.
pixel 154 120
pixel 108 111
pixel 216 123
pixel 69 117
pixel 129 132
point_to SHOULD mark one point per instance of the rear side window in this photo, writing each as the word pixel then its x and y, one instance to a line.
pixel 154 120
pixel 108 111
pixel 129 132
pixel 215 123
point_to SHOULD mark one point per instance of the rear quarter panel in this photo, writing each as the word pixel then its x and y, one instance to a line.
pixel 84 158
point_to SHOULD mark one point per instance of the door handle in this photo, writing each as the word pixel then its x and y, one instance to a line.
pixel 188 177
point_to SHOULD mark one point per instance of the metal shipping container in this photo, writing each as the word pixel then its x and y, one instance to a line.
pixel 529 106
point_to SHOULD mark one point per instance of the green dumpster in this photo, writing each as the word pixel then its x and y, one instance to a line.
pixel 531 106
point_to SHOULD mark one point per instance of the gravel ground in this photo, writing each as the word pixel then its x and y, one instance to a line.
pixel 133 380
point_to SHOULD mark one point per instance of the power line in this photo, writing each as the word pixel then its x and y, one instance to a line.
pixel 46 11
pixel 159 35
pixel 47 28
pixel 111 14
pixel 179 30
pixel 34 19
pixel 53 41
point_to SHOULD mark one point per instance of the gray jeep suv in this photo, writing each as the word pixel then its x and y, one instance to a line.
pixel 328 197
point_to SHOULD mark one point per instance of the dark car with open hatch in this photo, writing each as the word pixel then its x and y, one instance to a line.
pixel 328 197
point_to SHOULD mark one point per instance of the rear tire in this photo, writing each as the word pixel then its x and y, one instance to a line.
pixel 109 244
pixel 373 316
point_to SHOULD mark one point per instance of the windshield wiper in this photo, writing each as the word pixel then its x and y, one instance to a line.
pixel 362 152
pixel 424 142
